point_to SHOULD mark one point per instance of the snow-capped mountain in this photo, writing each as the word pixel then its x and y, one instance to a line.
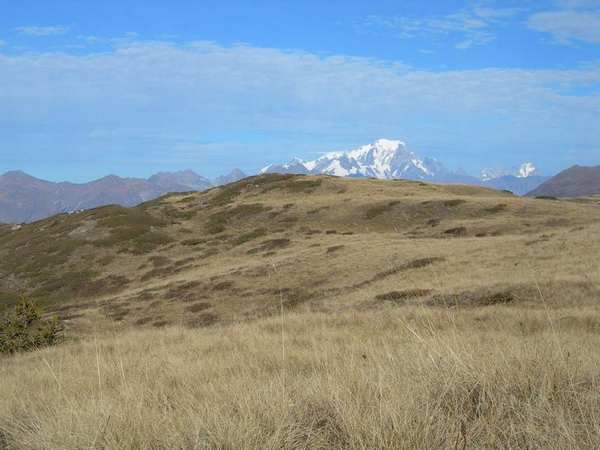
pixel 384 158
pixel 390 159
pixel 525 170
pixel 493 174
pixel 520 180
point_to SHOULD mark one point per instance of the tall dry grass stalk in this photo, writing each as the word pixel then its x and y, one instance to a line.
pixel 494 377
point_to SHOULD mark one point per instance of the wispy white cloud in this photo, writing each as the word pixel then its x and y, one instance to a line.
pixel 475 39
pixel 569 21
pixel 470 27
pixel 163 89
pixel 42 31
pixel 567 26
pixel 496 13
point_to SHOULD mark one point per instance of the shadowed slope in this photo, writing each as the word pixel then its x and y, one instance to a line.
pixel 576 181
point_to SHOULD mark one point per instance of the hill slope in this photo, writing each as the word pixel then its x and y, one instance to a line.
pixel 288 311
pixel 237 251
pixel 576 181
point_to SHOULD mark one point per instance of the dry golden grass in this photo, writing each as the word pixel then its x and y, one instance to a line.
pixel 303 312
pixel 494 377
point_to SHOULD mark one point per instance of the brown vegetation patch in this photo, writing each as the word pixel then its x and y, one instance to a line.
pixel 457 232
pixel 293 297
pixel 305 186
pixel 184 292
pixel 377 210
pixel 410 265
pixel 496 209
pixel 289 219
pixel 119 315
pixel 183 262
pixel 202 320
pixel 161 272
pixel 174 213
pixel 160 261
pixel 69 317
pixel 541 239
pixel 188 199
pixel 317 210
pixel 421 262
pixel 451 203
pixel 144 320
pixel 217 221
pixel 433 222
pixel 271 244
pixel 250 236
pixel 132 230
pixel 208 253
pixel 293 184
pixel 400 296
pixel 197 307
pixel 107 285
pixel 310 232
pixel 483 297
pixel 106 260
pixel 193 242
pixel 223 285
pixel 73 282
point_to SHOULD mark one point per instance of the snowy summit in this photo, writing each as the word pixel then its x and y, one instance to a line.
pixel 526 170
pixel 384 158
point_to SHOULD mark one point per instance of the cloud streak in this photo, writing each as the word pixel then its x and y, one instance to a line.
pixel 470 27
pixel 38 31
pixel 568 26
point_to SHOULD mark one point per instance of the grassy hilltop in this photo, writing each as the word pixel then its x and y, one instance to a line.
pixel 287 311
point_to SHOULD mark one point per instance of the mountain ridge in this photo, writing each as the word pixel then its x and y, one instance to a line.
pixel 576 181
pixel 25 198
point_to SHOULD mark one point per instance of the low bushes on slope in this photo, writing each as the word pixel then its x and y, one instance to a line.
pixel 25 329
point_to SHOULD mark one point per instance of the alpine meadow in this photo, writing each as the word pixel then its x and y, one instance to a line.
pixel 423 272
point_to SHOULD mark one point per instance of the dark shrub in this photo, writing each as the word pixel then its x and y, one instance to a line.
pixel 24 329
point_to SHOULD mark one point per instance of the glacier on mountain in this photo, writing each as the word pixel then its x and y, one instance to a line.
pixel 385 158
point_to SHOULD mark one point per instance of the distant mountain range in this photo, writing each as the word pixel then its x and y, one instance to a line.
pixel 577 181
pixel 391 159
pixel 24 198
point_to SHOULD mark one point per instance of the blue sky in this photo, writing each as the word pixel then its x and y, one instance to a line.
pixel 134 87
